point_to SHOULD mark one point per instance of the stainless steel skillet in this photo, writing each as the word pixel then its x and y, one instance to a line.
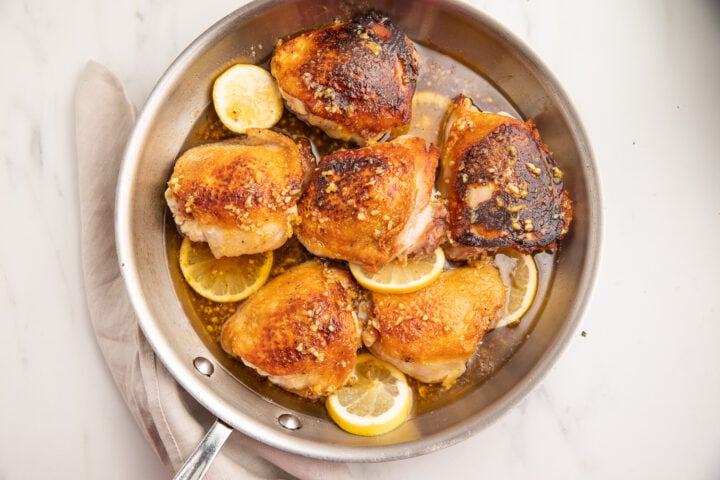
pixel 248 35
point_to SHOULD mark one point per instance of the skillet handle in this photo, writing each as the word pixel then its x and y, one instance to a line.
pixel 199 461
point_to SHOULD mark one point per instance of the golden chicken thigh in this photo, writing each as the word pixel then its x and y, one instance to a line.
pixel 240 195
pixel 431 334
pixel 301 329
pixel 373 204
pixel 355 80
pixel 501 185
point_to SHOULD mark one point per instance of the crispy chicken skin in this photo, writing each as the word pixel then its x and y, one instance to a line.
pixel 430 334
pixel 240 195
pixel 355 80
pixel 501 185
pixel 373 204
pixel 301 329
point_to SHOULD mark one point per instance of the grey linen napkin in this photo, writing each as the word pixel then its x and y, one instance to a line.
pixel 171 420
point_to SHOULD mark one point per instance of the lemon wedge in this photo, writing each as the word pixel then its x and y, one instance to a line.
pixel 246 96
pixel 377 402
pixel 522 283
pixel 399 277
pixel 226 279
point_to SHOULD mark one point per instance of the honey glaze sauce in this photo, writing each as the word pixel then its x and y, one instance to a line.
pixel 441 78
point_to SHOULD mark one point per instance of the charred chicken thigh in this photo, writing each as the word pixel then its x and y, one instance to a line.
pixel 373 204
pixel 501 185
pixel 430 334
pixel 240 195
pixel 355 80
pixel 301 329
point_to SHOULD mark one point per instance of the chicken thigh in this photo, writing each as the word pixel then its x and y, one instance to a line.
pixel 431 334
pixel 301 329
pixel 355 80
pixel 373 204
pixel 240 195
pixel 501 185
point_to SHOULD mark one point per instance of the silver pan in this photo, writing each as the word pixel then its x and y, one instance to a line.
pixel 242 402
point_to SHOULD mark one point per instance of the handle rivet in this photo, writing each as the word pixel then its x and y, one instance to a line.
pixel 289 421
pixel 204 366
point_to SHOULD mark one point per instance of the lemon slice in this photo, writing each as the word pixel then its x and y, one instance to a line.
pixel 428 111
pixel 246 96
pixel 396 277
pixel 377 402
pixel 226 279
pixel 522 281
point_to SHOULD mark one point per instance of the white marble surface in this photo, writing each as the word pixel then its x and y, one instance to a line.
pixel 637 397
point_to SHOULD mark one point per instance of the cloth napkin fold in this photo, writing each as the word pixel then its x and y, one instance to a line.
pixel 170 419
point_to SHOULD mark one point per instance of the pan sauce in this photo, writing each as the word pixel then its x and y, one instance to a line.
pixel 441 74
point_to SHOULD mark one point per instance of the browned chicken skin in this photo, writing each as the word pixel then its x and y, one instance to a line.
pixel 430 334
pixel 301 329
pixel 501 185
pixel 373 204
pixel 355 79
pixel 240 195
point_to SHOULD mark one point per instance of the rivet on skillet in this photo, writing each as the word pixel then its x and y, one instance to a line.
pixel 289 421
pixel 204 366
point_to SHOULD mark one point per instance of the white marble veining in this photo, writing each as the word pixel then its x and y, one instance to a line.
pixel 637 396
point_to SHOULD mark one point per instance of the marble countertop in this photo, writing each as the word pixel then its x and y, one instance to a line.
pixel 636 393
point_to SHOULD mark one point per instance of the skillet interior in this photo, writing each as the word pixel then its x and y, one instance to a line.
pixel 180 96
